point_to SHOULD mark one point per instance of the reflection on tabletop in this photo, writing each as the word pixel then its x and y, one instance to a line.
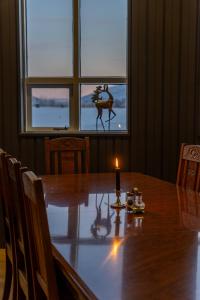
pixel 79 232
pixel 120 255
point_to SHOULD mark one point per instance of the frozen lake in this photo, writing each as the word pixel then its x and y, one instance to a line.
pixel 59 117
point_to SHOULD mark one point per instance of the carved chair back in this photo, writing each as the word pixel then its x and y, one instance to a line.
pixel 189 203
pixel 67 155
pixel 188 175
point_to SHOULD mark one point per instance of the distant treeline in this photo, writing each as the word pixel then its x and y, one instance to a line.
pixel 38 102
pixel 85 102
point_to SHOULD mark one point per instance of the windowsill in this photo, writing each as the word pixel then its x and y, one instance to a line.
pixel 72 133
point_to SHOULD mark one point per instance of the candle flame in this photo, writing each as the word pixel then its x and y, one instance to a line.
pixel 116 163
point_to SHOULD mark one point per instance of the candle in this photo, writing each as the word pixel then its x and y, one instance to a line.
pixel 117 172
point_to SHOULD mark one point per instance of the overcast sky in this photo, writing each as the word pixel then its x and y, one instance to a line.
pixel 103 37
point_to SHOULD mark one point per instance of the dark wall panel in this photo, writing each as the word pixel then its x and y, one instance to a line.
pixel 171 86
pixel 154 87
pixel 8 102
pixel 138 80
pixel 187 72
pixel 163 91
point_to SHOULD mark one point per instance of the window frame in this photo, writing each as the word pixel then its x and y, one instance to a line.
pixel 74 82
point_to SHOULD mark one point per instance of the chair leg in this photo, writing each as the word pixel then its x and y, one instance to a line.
pixel 10 285
pixel 8 280
pixel 14 290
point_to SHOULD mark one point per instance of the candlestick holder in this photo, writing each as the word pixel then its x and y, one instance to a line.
pixel 118 204
pixel 117 223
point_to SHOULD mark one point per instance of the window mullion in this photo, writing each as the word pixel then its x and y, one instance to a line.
pixel 74 109
pixel 48 80
pixel 103 80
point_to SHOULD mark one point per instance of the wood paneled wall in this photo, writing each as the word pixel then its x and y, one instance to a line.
pixel 163 84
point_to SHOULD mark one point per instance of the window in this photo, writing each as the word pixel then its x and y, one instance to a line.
pixel 75 65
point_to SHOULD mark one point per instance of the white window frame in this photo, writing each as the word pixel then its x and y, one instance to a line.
pixel 74 82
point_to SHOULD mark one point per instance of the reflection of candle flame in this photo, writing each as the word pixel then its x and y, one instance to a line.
pixel 116 163
pixel 114 250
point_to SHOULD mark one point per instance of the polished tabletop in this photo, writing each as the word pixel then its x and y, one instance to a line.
pixel 118 255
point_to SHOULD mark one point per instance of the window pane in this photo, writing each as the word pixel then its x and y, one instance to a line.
pixel 103 37
pixel 50 107
pixel 110 96
pixel 49 38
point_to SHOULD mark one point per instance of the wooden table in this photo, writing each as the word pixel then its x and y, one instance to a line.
pixel 125 256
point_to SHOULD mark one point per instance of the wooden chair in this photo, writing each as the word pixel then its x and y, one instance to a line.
pixel 189 204
pixel 2 225
pixel 24 270
pixel 44 278
pixel 67 155
pixel 188 175
pixel 10 285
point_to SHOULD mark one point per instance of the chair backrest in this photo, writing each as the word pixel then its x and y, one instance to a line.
pixel 44 274
pixel 67 155
pixel 24 271
pixel 188 175
pixel 8 222
pixel 189 204
pixel 2 213
pixel 4 190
